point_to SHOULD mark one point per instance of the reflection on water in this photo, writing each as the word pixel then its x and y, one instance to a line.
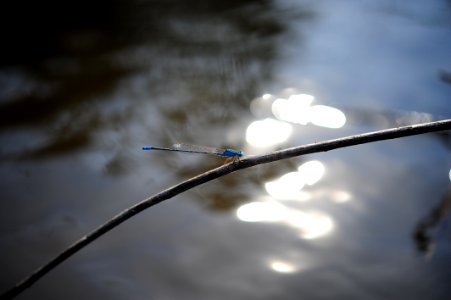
pixel 340 196
pixel 298 109
pixel 289 186
pixel 267 211
pixel 282 266
pixel 311 225
pixel 267 132
pixel 308 224
pixel 327 116
pixel 196 65
pixel 294 109
pixel 84 85
pixel 433 226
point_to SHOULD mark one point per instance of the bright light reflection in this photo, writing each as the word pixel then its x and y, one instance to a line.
pixel 341 196
pixel 298 109
pixel 310 224
pixel 326 116
pixel 289 186
pixel 449 175
pixel 312 171
pixel 282 266
pixel 270 211
pixel 295 109
pixel 267 96
pixel 267 132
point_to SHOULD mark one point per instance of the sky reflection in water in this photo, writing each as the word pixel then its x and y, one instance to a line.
pixel 366 222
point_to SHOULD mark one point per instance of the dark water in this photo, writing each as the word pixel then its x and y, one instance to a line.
pixel 84 86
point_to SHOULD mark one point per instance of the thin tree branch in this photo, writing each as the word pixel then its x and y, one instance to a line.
pixel 218 172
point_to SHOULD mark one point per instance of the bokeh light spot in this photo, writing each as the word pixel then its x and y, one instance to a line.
pixel 268 132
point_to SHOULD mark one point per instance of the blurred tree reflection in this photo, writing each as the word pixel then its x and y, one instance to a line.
pixel 428 228
pixel 62 65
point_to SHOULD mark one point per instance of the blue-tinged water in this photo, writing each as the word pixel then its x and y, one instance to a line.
pixel 84 86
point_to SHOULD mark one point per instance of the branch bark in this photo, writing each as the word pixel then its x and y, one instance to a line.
pixel 244 163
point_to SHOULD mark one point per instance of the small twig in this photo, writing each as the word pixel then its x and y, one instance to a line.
pixel 218 172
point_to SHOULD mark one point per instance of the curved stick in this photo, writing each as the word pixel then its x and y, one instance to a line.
pixel 218 172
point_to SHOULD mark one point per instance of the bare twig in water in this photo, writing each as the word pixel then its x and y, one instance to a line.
pixel 218 172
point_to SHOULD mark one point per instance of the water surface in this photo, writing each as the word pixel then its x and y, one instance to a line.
pixel 83 87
